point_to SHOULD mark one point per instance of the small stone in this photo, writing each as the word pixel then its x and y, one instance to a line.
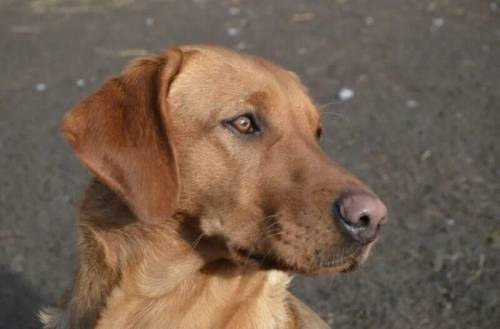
pixel 233 31
pixel 302 17
pixel 40 87
pixel 426 155
pixel 494 6
pixel 233 11
pixel 241 45
pixel 302 51
pixel 17 263
pixel 369 20
pixel 437 23
pixel 80 83
pixel 450 222
pixel 150 21
pixel 345 94
pixel 411 103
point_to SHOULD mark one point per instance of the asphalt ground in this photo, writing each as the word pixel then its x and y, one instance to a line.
pixel 422 129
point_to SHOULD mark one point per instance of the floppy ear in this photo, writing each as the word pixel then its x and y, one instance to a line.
pixel 122 134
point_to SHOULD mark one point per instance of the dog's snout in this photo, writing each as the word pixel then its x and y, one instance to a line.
pixel 361 215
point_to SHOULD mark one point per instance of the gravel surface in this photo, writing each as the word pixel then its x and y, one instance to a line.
pixel 411 94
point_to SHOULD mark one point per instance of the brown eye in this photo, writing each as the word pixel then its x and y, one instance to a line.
pixel 244 124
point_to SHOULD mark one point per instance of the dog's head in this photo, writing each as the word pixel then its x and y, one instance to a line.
pixel 231 143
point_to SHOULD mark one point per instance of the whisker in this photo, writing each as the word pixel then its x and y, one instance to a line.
pixel 197 240
pixel 265 256
pixel 334 114
pixel 264 232
pixel 322 106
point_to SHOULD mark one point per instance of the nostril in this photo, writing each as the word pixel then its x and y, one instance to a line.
pixel 364 220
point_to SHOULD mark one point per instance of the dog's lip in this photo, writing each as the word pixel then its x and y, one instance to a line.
pixel 341 264
pixel 266 262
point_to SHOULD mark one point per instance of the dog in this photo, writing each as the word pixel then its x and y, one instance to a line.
pixel 210 192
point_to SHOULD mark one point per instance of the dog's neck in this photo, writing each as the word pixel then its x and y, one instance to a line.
pixel 217 297
pixel 134 276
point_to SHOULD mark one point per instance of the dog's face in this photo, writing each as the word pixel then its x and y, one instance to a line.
pixel 252 168
pixel 245 162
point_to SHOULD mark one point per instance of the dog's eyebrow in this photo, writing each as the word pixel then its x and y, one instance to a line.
pixel 259 100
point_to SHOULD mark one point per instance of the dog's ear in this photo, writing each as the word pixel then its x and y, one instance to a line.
pixel 122 134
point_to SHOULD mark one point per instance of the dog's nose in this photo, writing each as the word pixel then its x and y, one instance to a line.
pixel 361 215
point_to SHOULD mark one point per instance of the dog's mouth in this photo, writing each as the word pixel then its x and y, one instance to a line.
pixel 346 262
pixel 343 263
pixel 266 261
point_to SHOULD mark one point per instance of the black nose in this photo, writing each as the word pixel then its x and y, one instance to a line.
pixel 360 215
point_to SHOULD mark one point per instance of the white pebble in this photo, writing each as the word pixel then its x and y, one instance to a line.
pixel 234 11
pixel 494 6
pixel 233 31
pixel 426 155
pixel 437 22
pixel 450 222
pixel 369 20
pixel 150 21
pixel 345 94
pixel 411 103
pixel 80 83
pixel 40 87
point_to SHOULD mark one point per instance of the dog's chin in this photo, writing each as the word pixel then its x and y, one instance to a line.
pixel 346 263
pixel 341 265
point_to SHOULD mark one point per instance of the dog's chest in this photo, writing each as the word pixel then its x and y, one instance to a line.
pixel 230 303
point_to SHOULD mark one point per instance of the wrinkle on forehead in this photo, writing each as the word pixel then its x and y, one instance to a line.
pixel 260 100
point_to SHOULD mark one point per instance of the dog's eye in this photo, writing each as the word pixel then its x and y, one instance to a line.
pixel 244 124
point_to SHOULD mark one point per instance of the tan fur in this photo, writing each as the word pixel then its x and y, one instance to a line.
pixel 190 225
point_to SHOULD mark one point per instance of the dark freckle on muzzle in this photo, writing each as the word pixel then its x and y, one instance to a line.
pixel 297 176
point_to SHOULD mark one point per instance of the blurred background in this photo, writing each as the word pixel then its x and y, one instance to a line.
pixel 411 95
